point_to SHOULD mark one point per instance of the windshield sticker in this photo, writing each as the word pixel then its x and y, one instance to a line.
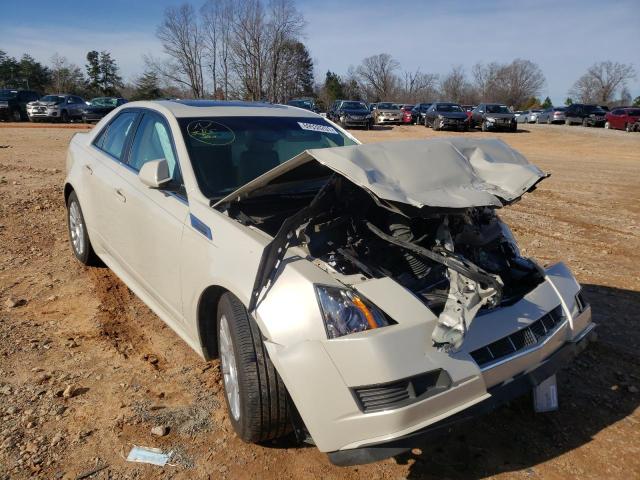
pixel 211 133
pixel 317 128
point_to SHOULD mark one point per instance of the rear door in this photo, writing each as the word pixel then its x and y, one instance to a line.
pixel 152 219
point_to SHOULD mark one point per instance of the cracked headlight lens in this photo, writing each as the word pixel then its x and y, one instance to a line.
pixel 345 312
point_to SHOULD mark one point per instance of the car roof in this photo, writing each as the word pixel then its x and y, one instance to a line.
pixel 223 108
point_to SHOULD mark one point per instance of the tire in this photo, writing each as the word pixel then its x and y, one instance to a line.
pixel 549 122
pixel 585 123
pixel 16 116
pixel 627 127
pixel 537 120
pixel 64 117
pixel 567 122
pixel 261 410
pixel 607 125
pixel 78 236
pixel 513 127
pixel 485 127
pixel 435 125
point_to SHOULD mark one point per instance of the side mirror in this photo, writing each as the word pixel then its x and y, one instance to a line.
pixel 155 173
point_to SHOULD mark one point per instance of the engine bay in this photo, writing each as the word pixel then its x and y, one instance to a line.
pixel 458 262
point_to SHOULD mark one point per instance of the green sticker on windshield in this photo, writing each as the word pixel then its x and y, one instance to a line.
pixel 211 133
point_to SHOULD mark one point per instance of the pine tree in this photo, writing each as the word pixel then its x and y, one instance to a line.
pixel 147 87
pixel 110 80
pixel 93 72
pixel 547 103
pixel 568 101
pixel 333 87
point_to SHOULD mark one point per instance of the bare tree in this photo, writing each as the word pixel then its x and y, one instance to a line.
pixel 65 77
pixel 513 83
pixel 285 25
pixel 377 76
pixel 182 40
pixel 418 87
pixel 455 87
pixel 602 81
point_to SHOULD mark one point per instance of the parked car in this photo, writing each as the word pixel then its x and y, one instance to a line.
pixel 99 107
pixel 62 107
pixel 622 118
pixel 351 113
pixel 493 116
pixel 407 116
pixel 442 115
pixel 522 116
pixel 533 115
pixel 586 115
pixel 13 103
pixel 468 108
pixel 372 107
pixel 386 112
pixel 634 127
pixel 418 112
pixel 551 115
pixel 337 282
pixel 305 102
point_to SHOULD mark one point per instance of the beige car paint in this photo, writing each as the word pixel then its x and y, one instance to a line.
pixel 169 264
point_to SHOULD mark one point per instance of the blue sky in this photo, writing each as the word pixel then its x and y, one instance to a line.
pixel 563 37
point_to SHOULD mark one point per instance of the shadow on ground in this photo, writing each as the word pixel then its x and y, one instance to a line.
pixel 515 438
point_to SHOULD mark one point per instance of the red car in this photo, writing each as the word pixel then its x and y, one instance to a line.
pixel 622 118
pixel 406 113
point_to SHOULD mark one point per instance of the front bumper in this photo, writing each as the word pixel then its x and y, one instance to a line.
pixel 498 395
pixel 386 119
pixel 46 114
pixel 500 125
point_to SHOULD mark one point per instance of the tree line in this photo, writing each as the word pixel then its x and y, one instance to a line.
pixel 517 84
pixel 254 50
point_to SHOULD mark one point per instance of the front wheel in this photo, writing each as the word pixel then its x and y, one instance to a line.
pixel 16 116
pixel 257 400
pixel 585 123
pixel 485 126
pixel 64 117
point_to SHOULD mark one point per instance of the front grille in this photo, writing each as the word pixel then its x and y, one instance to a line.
pixel 517 341
pixel 386 396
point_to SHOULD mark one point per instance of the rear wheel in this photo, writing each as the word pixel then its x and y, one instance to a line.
pixel 607 125
pixel 78 236
pixel 257 399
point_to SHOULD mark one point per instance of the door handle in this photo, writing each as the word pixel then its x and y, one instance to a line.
pixel 121 195
pixel 89 169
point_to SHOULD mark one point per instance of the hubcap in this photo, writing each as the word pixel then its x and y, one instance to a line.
pixel 229 370
pixel 76 228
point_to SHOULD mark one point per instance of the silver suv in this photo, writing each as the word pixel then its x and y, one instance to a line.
pixel 61 107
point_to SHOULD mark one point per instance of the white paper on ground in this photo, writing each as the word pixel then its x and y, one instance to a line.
pixel 545 396
pixel 154 456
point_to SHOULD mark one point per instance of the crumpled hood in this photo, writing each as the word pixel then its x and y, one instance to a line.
pixel 453 115
pixel 444 173
pixel 39 103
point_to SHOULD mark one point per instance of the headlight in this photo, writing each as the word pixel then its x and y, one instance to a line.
pixel 369 116
pixel 440 117
pixel 345 312
pixel 342 117
pixel 491 119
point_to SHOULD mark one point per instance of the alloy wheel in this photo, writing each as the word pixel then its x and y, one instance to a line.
pixel 76 228
pixel 229 368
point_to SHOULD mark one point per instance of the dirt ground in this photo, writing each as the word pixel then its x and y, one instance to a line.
pixel 86 370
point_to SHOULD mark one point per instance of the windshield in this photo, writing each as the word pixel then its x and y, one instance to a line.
pixel 559 109
pixel 8 93
pixel 448 107
pixel 498 109
pixel 387 106
pixel 354 106
pixel 228 152
pixel 104 102
pixel 594 109
pixel 300 104
pixel 52 98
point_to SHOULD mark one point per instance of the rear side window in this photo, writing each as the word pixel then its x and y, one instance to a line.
pixel 113 138
pixel 153 142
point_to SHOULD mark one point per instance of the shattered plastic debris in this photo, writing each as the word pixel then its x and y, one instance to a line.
pixel 154 456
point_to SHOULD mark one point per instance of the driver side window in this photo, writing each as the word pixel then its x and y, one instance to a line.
pixel 153 141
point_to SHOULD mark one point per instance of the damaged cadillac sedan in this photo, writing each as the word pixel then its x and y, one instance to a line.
pixel 363 297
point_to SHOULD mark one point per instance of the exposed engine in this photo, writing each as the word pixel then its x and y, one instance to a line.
pixel 457 261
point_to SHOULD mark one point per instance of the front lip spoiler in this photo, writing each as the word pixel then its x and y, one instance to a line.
pixel 500 394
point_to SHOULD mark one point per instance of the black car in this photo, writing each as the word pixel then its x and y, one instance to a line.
pixel 13 103
pixel 418 112
pixel 446 115
pixel 587 115
pixel 351 113
pixel 306 103
pixel 493 116
pixel 100 107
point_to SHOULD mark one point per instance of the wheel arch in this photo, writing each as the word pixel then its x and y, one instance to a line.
pixel 206 320
pixel 68 188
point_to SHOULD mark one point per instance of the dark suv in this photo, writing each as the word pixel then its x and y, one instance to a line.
pixel 587 115
pixel 418 112
pixel 13 103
